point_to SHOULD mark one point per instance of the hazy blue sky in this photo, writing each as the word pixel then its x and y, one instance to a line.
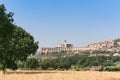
pixel 80 22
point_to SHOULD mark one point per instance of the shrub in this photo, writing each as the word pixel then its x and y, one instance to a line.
pixel 112 69
pixel 31 63
pixel 2 67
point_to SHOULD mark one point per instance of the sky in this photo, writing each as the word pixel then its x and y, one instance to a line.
pixel 80 22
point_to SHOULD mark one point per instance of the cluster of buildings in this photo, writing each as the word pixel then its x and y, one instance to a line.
pixel 105 46
pixel 109 45
pixel 61 47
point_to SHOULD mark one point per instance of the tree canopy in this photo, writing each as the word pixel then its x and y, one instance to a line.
pixel 15 43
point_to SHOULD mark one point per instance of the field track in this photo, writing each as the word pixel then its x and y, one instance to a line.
pixel 59 75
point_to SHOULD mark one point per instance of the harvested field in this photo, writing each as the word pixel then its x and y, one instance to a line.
pixel 60 75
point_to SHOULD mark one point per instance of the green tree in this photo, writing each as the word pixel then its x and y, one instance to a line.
pixel 6 31
pixel 6 23
pixel 15 43
pixel 22 44
pixel 46 64
pixel 31 63
pixel 64 63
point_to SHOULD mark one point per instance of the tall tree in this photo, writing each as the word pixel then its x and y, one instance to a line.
pixel 6 31
pixel 15 43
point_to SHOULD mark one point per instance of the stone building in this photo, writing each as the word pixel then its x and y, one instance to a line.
pixel 108 45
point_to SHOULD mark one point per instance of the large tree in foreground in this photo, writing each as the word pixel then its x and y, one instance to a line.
pixel 15 43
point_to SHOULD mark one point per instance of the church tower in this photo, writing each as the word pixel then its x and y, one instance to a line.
pixel 65 43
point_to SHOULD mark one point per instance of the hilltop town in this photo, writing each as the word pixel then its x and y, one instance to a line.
pixel 104 55
pixel 108 45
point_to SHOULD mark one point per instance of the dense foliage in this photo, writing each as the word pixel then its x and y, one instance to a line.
pixel 15 43
pixel 80 62
pixel 31 63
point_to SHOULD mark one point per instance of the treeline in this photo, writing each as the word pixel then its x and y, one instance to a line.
pixel 76 62
pixel 65 53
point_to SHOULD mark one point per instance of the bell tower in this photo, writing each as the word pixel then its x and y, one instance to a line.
pixel 65 43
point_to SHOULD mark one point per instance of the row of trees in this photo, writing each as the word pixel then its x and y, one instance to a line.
pixel 80 61
pixel 15 43
pixel 71 62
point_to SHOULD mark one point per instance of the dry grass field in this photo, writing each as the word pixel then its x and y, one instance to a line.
pixel 60 75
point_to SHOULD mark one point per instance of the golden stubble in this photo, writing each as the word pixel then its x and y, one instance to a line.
pixel 59 75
